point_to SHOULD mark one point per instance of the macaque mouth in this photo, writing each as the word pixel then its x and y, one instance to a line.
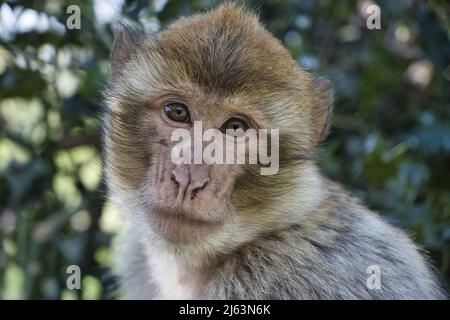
pixel 178 217
pixel 180 227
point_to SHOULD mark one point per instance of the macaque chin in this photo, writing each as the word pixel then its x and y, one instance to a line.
pixel 211 132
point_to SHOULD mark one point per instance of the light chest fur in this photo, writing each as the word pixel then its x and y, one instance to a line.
pixel 173 279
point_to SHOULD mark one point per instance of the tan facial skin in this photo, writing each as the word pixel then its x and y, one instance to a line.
pixel 188 200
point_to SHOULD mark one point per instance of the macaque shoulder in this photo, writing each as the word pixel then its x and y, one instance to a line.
pixel 341 251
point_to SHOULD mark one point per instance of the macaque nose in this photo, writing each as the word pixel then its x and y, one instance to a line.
pixel 190 180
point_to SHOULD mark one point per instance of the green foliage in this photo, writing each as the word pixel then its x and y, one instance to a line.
pixel 389 143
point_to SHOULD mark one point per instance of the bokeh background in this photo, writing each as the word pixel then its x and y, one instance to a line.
pixel 389 142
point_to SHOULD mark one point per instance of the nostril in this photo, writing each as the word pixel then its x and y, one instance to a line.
pixel 174 179
pixel 196 190
pixel 189 180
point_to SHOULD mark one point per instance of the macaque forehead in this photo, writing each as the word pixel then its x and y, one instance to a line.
pixel 227 51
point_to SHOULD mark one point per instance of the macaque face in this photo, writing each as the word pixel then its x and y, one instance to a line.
pixel 182 202
pixel 186 200
pixel 222 70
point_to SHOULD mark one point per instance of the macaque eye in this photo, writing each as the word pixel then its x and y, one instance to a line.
pixel 235 124
pixel 177 112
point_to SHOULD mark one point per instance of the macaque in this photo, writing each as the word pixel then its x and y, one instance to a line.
pixel 226 231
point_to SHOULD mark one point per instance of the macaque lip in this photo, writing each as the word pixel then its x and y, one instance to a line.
pixel 181 216
pixel 178 226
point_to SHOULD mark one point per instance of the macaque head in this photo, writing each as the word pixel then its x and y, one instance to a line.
pixel 219 71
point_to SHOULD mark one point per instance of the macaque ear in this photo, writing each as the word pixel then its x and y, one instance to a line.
pixel 322 109
pixel 126 41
